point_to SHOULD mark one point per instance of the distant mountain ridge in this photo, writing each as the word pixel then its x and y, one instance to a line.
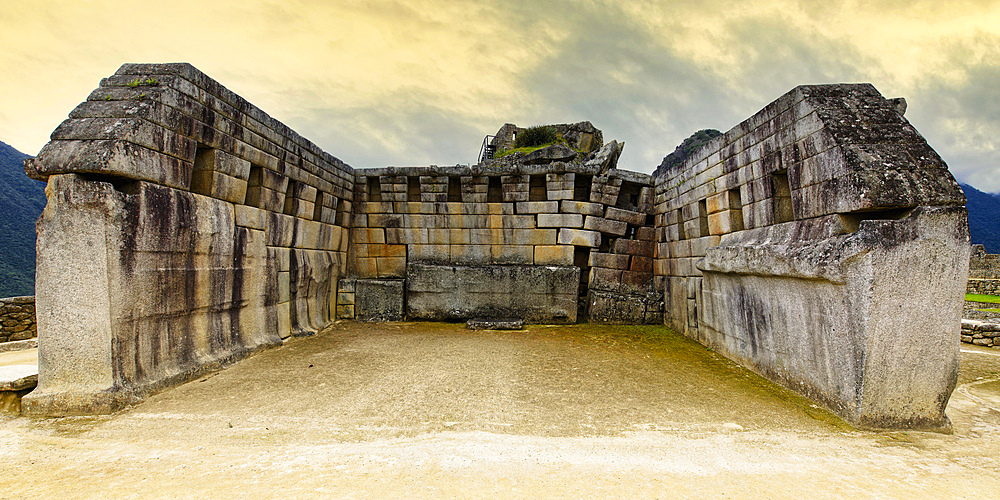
pixel 21 202
pixel 984 217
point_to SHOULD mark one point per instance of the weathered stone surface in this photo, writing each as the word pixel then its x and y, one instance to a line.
pixel 579 237
pixel 378 300
pixel 831 335
pixel 18 377
pixel 188 294
pixel 112 158
pixel 532 293
pixel 607 157
pixel 553 153
pixel 494 324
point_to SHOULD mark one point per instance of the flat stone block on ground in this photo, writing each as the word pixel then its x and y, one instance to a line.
pixel 378 300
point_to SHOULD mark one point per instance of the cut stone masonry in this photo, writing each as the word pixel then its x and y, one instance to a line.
pixel 186 229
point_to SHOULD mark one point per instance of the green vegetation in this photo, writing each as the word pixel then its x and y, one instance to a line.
pixel 149 82
pixel 540 136
pixel 975 297
pixel 21 202
pixel 989 310
pixel 524 150
pixel 535 138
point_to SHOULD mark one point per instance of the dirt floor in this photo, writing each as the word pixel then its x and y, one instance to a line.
pixel 433 410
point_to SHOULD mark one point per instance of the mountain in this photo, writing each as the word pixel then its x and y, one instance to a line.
pixel 21 202
pixel 688 147
pixel 984 217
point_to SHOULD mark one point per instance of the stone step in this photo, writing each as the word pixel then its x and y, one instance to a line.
pixel 15 382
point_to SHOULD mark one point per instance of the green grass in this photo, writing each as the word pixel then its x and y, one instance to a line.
pixel 975 297
pixel 525 150
pixel 989 310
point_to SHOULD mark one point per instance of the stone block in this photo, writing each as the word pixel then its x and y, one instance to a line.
pixel 218 185
pixel 609 260
pixel 113 158
pixel 605 279
pixel 579 237
pixel 606 226
pixel 470 254
pixel 512 254
pixel 465 292
pixel 391 267
pixel 582 207
pixel 634 247
pixel 724 222
pixel 553 255
pixel 251 217
pixel 345 312
pixel 627 216
pixel 537 207
pixel 560 220
pixel 284 319
pixel 438 254
pixel 266 199
pixel 378 300
pixel 534 237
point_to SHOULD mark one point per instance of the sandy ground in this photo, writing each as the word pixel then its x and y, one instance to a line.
pixel 421 410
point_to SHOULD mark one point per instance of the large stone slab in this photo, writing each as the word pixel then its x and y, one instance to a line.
pixel 536 294
pixel 866 321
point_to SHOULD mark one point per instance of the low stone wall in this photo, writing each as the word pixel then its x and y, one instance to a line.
pixel 984 333
pixel 983 286
pixel 17 319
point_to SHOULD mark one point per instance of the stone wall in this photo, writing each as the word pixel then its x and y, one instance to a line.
pixel 17 319
pixel 558 214
pixel 184 229
pixel 792 243
pixel 984 333
pixel 984 272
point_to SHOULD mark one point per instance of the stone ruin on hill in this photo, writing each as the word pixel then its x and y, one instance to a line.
pixel 821 243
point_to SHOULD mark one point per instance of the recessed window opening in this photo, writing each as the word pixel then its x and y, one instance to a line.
pixel 455 189
pixel 342 213
pixel 703 218
pixel 782 197
pixel 628 196
pixel 736 205
pixel 680 225
pixel 201 176
pixel 254 186
pixel 318 208
pixel 494 192
pixel 581 187
pixel 537 190
pixel 413 188
pixel 374 189
pixel 290 197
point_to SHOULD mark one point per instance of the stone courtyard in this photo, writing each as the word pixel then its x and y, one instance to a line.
pixel 422 410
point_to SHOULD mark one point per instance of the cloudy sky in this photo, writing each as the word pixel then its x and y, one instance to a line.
pixel 417 82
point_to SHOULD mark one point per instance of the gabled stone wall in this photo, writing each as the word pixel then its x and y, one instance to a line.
pixel 184 229
pixel 811 243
